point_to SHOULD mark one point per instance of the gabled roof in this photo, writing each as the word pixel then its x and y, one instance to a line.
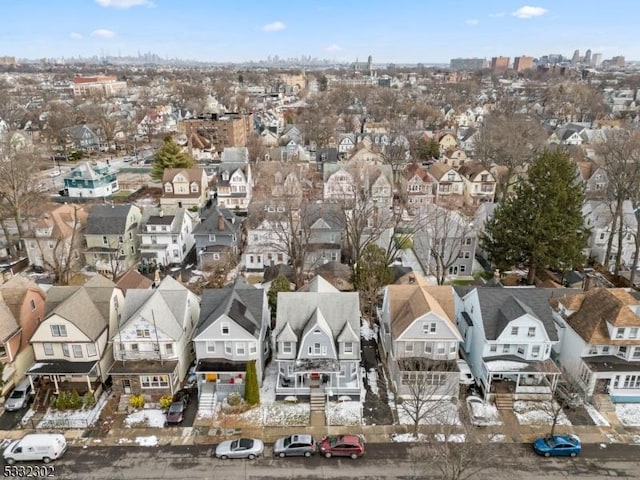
pixel 12 295
pixel 108 219
pixel 438 170
pixel 192 174
pixel 242 302
pixel 87 306
pixel 472 169
pixel 132 279
pixel 318 285
pixel 209 225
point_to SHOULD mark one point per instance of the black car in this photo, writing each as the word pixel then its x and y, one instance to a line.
pixel 182 395
pixel 175 414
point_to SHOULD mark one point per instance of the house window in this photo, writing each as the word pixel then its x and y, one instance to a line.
pixel 227 348
pixel 632 381
pixel 212 237
pixel 622 351
pixel 211 347
pixel 453 348
pixel 32 304
pixel 58 331
pixel 105 240
pixel 252 348
pixel 506 348
pixel 225 329
pixel 493 348
pixel 240 349
pixel 462 268
pixel 154 381
pixel 633 332
pixel 134 347
pixel 429 327
pixel 91 350
pixel 606 349
pixel 593 350
pixel 348 347
pixel 143 333
pixel 620 333
pixel 535 351
pixel 520 349
pixel 514 330
pixel 408 348
pixel 440 349
pixel 531 332
pixel 174 239
pixel 317 349
pixel 287 347
pixel 77 351
pixel 65 349
pixel 48 348
pixel 428 348
pixel 636 353
pixel 168 348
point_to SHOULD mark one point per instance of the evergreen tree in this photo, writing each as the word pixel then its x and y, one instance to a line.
pixel 251 387
pixel 279 284
pixel 169 155
pixel 541 225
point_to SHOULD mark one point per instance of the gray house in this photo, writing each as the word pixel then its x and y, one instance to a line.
pixel 233 330
pixel 324 229
pixel 217 236
pixel 317 342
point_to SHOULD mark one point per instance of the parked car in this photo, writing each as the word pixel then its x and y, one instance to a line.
pixel 557 446
pixel 241 448
pixel 568 398
pixel 478 413
pixel 175 414
pixel 182 395
pixel 466 377
pixel 296 445
pixel 342 446
pixel 19 397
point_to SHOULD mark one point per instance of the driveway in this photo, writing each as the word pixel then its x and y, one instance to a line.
pixel 11 420
pixel 376 409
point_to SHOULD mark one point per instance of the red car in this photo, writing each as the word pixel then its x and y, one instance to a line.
pixel 342 446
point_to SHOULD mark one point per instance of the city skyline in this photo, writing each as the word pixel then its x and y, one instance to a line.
pixel 409 31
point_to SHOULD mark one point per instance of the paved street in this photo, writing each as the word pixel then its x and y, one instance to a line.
pixel 382 461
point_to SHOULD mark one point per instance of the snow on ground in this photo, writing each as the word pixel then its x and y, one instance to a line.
pixel 268 389
pixel 537 413
pixel 276 414
pixel 453 438
pixel 628 413
pixel 367 332
pixel 487 412
pixel 27 416
pixel 497 437
pixel 612 438
pixel 636 439
pixel 73 418
pixel 596 416
pixel 505 365
pixel 151 441
pixel 441 412
pixel 151 417
pixel 372 379
pixel 344 413
pixel 407 437
pixel 124 441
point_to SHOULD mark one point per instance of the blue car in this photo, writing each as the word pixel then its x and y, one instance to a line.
pixel 557 446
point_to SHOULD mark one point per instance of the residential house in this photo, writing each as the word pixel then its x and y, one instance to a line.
pixel 22 307
pixel 598 218
pixel 479 184
pixel 454 158
pixel 235 186
pixel 365 154
pixel 323 229
pixel 447 141
pixel 166 236
pixel 449 184
pixel 347 182
pixel 71 346
pixel 112 239
pixel 419 337
pixel 599 345
pixel 265 242
pixel 316 343
pixel 417 187
pixel 57 237
pixel 507 336
pixel 218 237
pixel 233 330
pixel 91 180
pixel 151 345
pixel 184 187
pixel 81 137
pixel 594 179
pixel 346 143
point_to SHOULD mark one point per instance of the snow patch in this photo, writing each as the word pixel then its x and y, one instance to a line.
pixel 505 365
pixel 367 332
pixel 596 416
pixel 537 413
pixel 497 437
pixel 344 413
pixel 628 413
pixel 82 418
pixel 150 441
pixel 453 438
pixel 442 412
pixel 372 379
pixel 148 418
pixel 407 437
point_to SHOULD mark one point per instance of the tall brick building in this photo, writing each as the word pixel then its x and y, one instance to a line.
pixel 520 64
pixel 499 64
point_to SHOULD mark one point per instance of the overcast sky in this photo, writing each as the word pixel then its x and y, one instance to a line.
pixel 400 31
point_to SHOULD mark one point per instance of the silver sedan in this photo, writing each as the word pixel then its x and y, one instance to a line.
pixel 295 445
pixel 241 448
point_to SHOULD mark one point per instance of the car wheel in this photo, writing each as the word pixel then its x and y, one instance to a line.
pixel 281 455
pixel 9 461
pixel 327 455
pixel 573 454
pixel 354 456
pixel 223 457
pixel 307 454
pixel 547 454
pixel 46 460
pixel 251 456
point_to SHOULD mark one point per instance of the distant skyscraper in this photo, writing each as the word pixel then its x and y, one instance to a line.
pixel 596 59
pixel 520 64
pixel 499 64
pixel 468 63
pixel 587 57
pixel 370 64
pixel 576 57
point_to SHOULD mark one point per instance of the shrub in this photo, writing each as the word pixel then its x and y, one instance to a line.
pixel 234 399
pixel 136 401
pixel 68 401
pixel 89 399
pixel 251 387
pixel 166 401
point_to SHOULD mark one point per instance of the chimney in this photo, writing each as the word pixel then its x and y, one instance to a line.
pixel 588 282
pixel 220 222
pixel 161 213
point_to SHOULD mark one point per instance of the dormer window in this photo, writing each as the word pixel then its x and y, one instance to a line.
pixel 287 347
pixel 225 329
pixel 316 331
pixel 168 187
pixel 348 347
pixel 620 333
pixel 531 332
pixel 194 187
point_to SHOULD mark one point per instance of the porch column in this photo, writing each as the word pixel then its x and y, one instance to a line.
pixel 55 383
pixel 554 382
pixel 89 384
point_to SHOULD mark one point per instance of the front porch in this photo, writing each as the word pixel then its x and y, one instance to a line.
pixel 220 378
pixel 148 377
pixel 63 375
pixel 615 377
pixel 307 378
pixel 440 378
pixel 518 380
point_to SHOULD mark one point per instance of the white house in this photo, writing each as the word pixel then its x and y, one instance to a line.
pixel 166 236
pixel 91 180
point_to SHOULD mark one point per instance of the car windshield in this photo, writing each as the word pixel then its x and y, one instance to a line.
pixel 175 408
pixel 551 442
pixel 287 441
pixel 246 443
pixel 17 394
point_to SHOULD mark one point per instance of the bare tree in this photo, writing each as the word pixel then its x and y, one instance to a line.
pixel 568 394
pixel 59 119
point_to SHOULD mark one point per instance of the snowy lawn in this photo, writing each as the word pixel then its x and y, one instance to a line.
pixel 344 413
pixel 497 437
pixel 453 438
pixel 367 332
pixel 73 418
pixel 537 413
pixel 151 441
pixel 408 437
pixel 487 412
pixel 596 416
pixel 372 380
pixel 151 417
pixel 276 414
pixel 442 412
pixel 628 413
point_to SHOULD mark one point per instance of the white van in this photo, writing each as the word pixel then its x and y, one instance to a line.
pixel 36 446
pixel 466 377
pixel 19 397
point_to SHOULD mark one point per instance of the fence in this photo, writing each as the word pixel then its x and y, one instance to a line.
pixel 56 419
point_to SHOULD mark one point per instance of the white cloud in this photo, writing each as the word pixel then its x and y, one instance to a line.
pixel 529 12
pixel 75 36
pixel 499 14
pixel 472 21
pixel 273 27
pixel 103 33
pixel 124 4
pixel 334 47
